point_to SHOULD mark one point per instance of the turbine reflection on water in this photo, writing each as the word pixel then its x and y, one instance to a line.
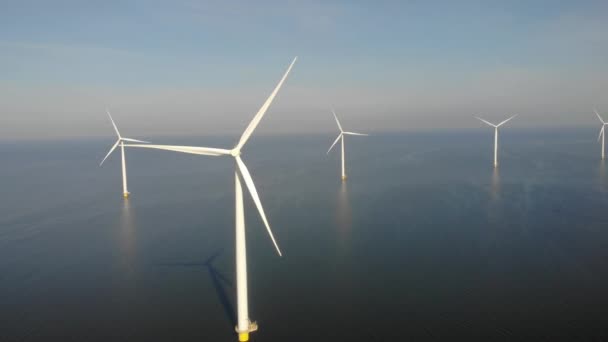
pixel 343 217
pixel 495 186
pixel 602 175
pixel 494 207
pixel 126 235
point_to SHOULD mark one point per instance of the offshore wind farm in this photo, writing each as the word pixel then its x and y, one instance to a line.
pixel 422 229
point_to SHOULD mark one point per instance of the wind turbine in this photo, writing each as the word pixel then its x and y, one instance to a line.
pixel 341 137
pixel 602 133
pixel 121 142
pixel 496 136
pixel 244 325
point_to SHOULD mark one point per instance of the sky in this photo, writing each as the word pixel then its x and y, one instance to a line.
pixel 199 68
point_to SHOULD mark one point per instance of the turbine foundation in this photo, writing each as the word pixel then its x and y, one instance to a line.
pixel 344 178
pixel 126 194
pixel 244 335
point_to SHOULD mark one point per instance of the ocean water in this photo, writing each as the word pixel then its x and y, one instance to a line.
pixel 425 241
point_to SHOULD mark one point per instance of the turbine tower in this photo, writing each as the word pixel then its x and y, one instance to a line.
pixel 602 133
pixel 496 136
pixel 121 142
pixel 244 324
pixel 341 138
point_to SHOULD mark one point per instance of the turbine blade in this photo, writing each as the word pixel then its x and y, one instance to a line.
pixel 601 132
pixel 135 140
pixel 353 133
pixel 256 199
pixel 504 122
pixel 258 117
pixel 489 123
pixel 598 116
pixel 335 142
pixel 205 151
pixel 337 121
pixel 113 124
pixel 111 150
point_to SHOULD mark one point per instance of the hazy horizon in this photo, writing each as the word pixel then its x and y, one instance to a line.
pixel 187 68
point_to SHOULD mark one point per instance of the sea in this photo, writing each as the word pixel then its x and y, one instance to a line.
pixel 425 240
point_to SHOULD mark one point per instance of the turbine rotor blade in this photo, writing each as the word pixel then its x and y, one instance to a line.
pixel 256 198
pixel 111 150
pixel 353 133
pixel 113 124
pixel 205 151
pixel 337 121
pixel 601 132
pixel 258 117
pixel 335 142
pixel 504 122
pixel 487 122
pixel 135 140
pixel 599 117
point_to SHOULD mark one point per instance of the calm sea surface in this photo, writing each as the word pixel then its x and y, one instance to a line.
pixel 425 241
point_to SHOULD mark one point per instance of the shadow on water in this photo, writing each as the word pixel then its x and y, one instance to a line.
pixel 218 280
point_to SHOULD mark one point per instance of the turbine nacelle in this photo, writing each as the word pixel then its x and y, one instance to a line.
pixel 235 153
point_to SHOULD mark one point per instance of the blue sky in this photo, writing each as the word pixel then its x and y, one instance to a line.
pixel 202 67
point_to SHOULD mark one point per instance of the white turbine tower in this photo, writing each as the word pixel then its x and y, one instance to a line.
pixel 341 137
pixel 244 324
pixel 602 133
pixel 496 136
pixel 121 142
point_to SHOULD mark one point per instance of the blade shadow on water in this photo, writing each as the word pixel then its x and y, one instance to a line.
pixel 218 280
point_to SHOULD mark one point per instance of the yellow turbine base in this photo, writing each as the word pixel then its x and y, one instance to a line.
pixel 125 195
pixel 243 337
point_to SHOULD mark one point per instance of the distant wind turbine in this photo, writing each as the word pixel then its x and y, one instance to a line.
pixel 341 137
pixel 121 141
pixel 496 136
pixel 244 325
pixel 602 133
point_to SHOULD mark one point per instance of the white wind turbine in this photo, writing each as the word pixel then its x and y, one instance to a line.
pixel 341 137
pixel 602 133
pixel 244 325
pixel 121 142
pixel 496 136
